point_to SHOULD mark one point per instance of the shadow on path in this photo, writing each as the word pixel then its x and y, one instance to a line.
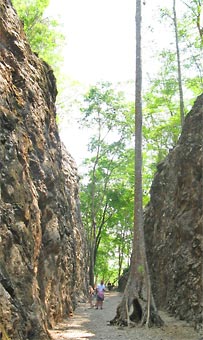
pixel 91 324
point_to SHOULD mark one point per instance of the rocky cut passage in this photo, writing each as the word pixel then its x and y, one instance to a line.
pixel 42 266
pixel 174 224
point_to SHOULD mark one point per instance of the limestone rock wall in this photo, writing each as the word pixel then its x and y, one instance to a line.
pixel 42 241
pixel 174 224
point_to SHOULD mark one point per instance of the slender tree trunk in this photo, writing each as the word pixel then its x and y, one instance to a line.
pixel 119 261
pixel 138 305
pixel 182 114
pixel 91 267
pixel 92 251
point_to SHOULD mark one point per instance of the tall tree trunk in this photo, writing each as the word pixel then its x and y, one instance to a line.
pixel 138 304
pixel 93 233
pixel 181 100
pixel 91 267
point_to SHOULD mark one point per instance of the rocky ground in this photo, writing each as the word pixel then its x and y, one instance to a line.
pixel 88 323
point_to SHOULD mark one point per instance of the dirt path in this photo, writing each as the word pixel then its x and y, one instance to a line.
pixel 90 324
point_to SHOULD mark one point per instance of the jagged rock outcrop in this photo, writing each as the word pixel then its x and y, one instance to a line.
pixel 174 224
pixel 42 241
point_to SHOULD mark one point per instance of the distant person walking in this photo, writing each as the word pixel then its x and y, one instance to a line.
pixel 91 296
pixel 100 294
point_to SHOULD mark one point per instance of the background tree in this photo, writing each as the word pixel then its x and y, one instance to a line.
pixel 162 123
pixel 42 32
pixel 195 7
pixel 108 116
pixel 173 17
pixel 181 100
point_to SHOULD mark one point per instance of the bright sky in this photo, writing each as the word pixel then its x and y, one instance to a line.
pixel 100 37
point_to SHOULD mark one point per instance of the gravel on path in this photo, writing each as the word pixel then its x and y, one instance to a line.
pixel 91 324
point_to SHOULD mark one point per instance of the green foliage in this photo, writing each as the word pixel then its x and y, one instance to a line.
pixel 106 268
pixel 43 33
pixel 190 36
pixel 107 189
pixel 162 126
pixel 161 119
pixel 105 108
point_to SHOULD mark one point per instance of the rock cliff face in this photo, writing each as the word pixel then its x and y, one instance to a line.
pixel 42 242
pixel 174 224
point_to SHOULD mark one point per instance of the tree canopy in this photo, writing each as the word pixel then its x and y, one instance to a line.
pixel 107 185
pixel 110 168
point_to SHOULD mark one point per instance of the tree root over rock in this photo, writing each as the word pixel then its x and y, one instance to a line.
pixel 132 312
